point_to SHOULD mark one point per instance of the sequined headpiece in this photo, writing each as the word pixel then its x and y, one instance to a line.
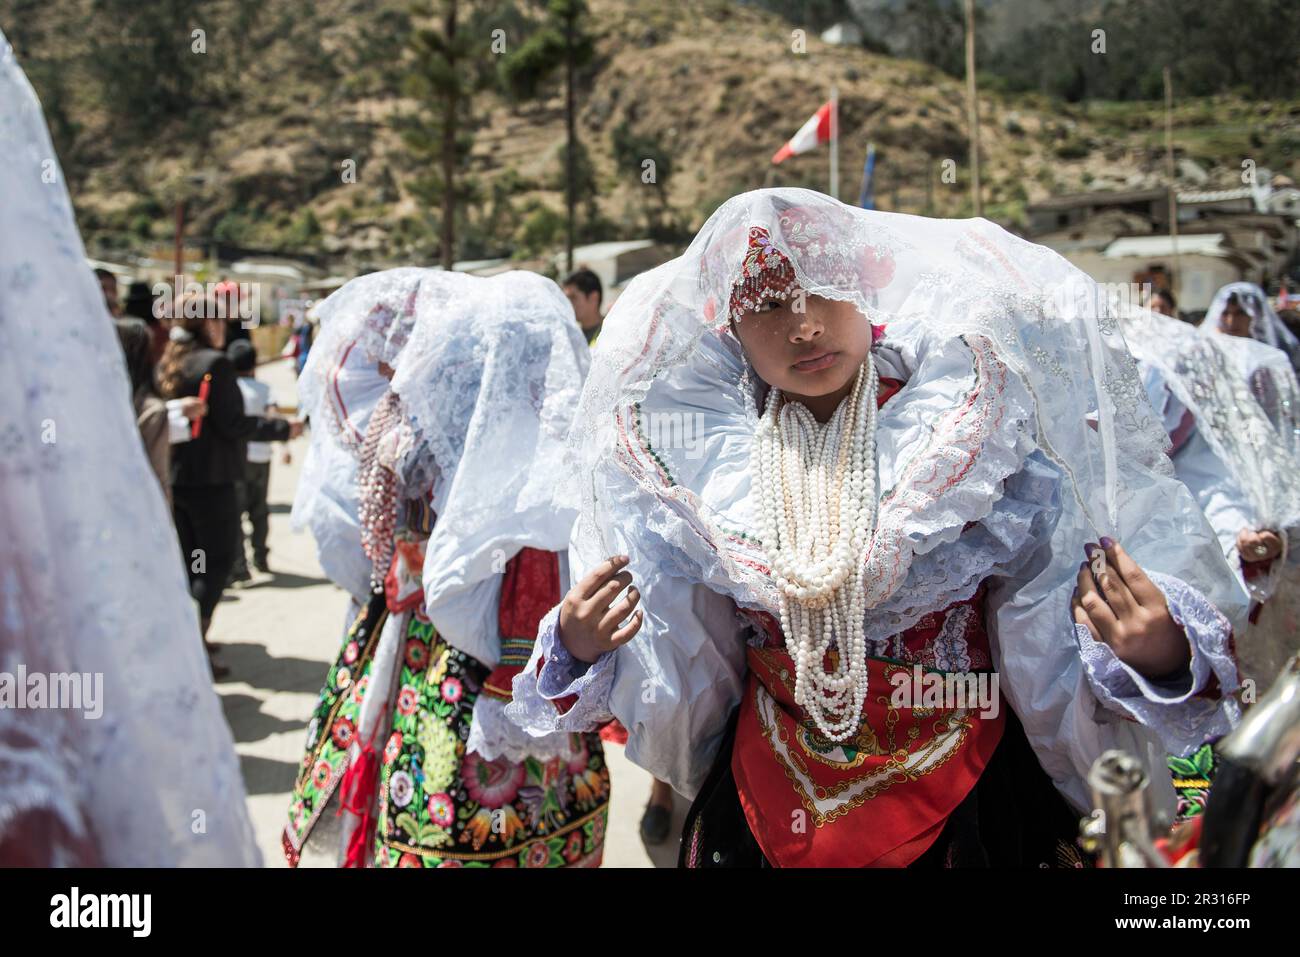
pixel 765 274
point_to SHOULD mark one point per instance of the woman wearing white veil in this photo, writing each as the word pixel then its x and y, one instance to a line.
pixel 798 577
pixel 363 328
pixel 1240 458
pixel 338 390
pixel 92 578
pixel 460 465
pixel 1242 309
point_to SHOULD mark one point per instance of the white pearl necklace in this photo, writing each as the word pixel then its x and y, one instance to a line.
pixel 817 509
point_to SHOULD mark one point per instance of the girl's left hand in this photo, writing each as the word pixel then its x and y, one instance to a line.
pixel 1128 612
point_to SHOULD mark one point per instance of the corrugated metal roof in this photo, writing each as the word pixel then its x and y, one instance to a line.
pixel 1216 195
pixel 1204 244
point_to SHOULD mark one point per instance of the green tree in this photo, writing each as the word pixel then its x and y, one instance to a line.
pixel 653 167
pixel 448 53
pixel 157 66
pixel 561 42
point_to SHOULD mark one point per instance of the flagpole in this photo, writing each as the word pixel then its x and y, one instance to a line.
pixel 866 197
pixel 1171 175
pixel 835 142
pixel 973 112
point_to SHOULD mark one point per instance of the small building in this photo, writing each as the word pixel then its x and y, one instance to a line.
pixel 1193 204
pixel 1200 264
pixel 617 262
pixel 1064 213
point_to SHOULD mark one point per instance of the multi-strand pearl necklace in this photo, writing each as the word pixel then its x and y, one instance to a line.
pixel 817 511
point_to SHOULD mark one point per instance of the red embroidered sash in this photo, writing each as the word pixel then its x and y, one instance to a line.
pixel 529 589
pixel 882 797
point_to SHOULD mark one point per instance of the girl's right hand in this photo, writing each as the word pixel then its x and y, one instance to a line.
pixel 592 610
pixel 1258 546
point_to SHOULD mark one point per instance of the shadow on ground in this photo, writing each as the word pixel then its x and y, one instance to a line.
pixel 251 663
pixel 248 722
pixel 284 580
pixel 267 776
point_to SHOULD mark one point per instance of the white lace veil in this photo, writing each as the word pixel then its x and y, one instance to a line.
pixel 1254 436
pixel 366 321
pixel 1207 374
pixel 489 382
pixel 1027 308
pixel 1265 324
pixel 91 574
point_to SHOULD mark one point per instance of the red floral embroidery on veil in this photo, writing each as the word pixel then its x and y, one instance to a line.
pixel 767 273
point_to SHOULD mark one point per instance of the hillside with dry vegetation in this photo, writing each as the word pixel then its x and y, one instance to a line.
pixel 256 133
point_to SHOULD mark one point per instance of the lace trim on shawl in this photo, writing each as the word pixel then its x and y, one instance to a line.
pixel 552 675
pixel 494 735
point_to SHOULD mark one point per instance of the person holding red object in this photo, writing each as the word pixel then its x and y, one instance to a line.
pixel 205 469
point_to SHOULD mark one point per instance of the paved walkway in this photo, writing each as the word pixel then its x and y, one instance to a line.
pixel 280 634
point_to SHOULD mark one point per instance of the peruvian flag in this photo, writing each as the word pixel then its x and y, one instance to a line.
pixel 811 135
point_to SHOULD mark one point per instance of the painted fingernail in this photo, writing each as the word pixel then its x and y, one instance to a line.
pixel 1088 547
pixel 1107 542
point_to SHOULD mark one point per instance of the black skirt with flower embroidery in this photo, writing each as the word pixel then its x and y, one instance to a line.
pixel 440 806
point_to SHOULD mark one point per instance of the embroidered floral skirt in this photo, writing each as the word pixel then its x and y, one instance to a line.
pixel 438 806
pixel 442 807
pixel 332 729
pixel 1192 778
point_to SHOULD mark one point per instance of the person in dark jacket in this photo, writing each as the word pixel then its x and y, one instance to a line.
pixel 205 469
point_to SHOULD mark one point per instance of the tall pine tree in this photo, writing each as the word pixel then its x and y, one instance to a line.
pixel 560 44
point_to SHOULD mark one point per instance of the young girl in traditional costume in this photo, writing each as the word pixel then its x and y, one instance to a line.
pixel 365 325
pixel 458 480
pixel 904 441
